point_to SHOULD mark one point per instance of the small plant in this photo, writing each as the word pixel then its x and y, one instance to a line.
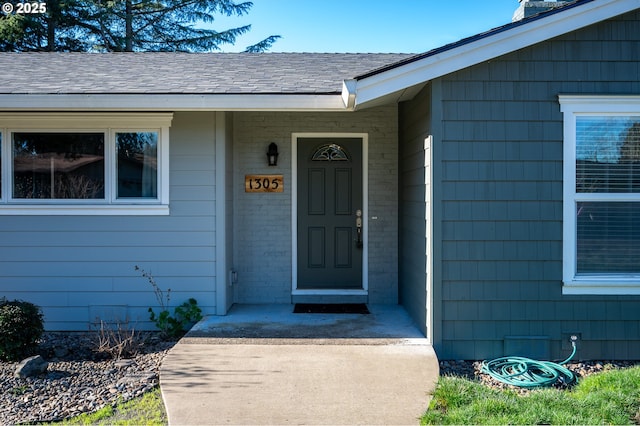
pixel 21 326
pixel 19 390
pixel 116 340
pixel 183 318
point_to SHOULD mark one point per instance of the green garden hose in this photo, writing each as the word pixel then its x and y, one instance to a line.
pixel 529 373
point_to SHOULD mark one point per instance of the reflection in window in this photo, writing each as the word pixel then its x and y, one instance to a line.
pixel 330 152
pixel 608 154
pixel 137 164
pixel 58 165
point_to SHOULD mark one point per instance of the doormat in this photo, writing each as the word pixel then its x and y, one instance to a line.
pixel 330 308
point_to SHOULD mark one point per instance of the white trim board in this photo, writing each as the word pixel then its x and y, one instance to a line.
pixel 171 102
pixel 221 284
pixel 294 214
pixel 572 107
pixel 109 124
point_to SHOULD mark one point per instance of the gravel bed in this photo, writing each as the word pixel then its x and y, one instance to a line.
pixel 79 378
pixel 472 370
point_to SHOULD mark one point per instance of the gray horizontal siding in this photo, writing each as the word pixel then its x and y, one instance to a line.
pixel 142 253
pixel 63 224
pixel 79 268
pixel 38 240
pixel 501 172
pixel 99 268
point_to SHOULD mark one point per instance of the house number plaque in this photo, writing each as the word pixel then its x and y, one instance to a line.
pixel 263 183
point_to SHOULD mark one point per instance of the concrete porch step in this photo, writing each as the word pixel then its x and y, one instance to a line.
pixel 376 369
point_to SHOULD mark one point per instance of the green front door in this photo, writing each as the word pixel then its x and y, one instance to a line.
pixel 330 231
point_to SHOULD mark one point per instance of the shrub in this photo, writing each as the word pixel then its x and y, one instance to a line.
pixel 185 316
pixel 116 340
pixel 21 326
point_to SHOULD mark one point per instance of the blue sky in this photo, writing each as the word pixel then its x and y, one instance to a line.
pixel 367 25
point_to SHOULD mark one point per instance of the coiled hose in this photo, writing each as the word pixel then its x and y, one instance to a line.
pixel 529 373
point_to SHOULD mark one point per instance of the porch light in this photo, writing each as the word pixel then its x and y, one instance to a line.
pixel 272 154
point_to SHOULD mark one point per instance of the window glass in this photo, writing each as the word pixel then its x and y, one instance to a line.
pixel 137 164
pixel 608 237
pixel 330 152
pixel 608 154
pixel 58 165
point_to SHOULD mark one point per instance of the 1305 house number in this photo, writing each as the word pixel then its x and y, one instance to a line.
pixel 263 183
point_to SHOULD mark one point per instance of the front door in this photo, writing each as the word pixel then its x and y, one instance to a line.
pixel 330 233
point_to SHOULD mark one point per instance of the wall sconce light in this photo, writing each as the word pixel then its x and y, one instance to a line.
pixel 272 154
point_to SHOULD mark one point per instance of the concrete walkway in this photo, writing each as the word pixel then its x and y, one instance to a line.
pixel 266 365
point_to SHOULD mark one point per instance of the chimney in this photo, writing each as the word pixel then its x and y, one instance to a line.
pixel 530 7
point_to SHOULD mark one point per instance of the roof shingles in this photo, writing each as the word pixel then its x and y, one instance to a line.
pixel 184 73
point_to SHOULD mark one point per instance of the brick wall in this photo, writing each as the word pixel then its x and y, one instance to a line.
pixel 262 225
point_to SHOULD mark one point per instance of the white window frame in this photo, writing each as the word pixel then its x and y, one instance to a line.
pixel 107 123
pixel 573 106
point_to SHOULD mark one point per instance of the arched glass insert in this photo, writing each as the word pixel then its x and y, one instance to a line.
pixel 330 152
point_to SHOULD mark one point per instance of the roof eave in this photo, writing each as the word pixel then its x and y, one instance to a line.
pixel 171 102
pixel 372 87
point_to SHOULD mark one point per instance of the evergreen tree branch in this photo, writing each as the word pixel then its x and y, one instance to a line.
pixel 263 45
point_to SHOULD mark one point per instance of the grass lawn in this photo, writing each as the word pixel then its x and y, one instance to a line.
pixel 611 397
pixel 145 410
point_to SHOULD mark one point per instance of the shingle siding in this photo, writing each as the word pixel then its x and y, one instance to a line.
pixel 501 198
pixel 79 268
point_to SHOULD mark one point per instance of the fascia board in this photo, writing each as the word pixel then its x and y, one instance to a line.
pixel 484 49
pixel 170 102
